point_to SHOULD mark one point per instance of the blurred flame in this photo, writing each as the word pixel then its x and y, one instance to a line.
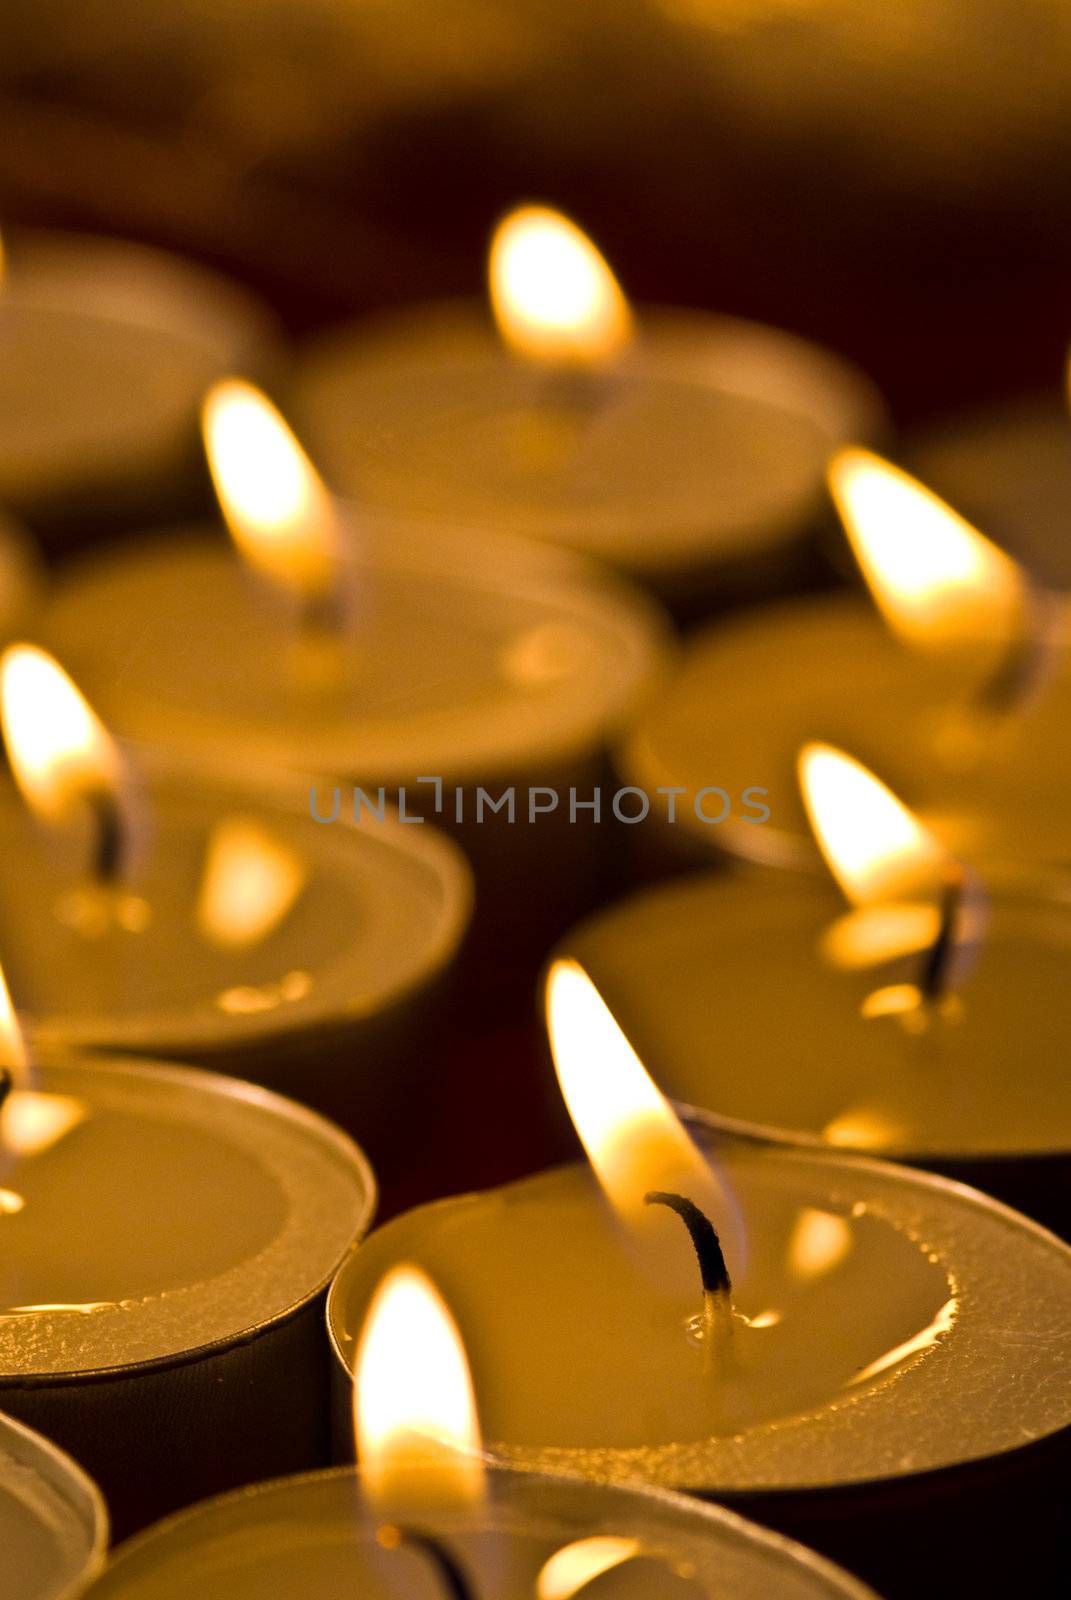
pixel 277 507
pixel 875 934
pixel 819 1242
pixel 14 1057
pixel 554 296
pixel 251 881
pixel 418 1437
pixel 936 580
pixel 875 847
pixel 576 1565
pixel 633 1138
pixel 61 754
pixel 30 1122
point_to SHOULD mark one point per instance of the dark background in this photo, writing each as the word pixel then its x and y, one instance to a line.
pixel 891 176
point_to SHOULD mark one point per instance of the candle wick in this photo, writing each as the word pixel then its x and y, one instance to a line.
pixel 7 1083
pixel 1024 667
pixel 717 1321
pixel 455 1583
pixel 938 959
pixel 109 845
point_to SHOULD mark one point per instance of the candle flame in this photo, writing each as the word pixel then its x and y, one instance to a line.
pixel 30 1122
pixel 875 847
pixel 576 1565
pixel 634 1140
pixel 418 1436
pixel 554 297
pixel 251 881
pixel 277 507
pixel 61 754
pixel 937 581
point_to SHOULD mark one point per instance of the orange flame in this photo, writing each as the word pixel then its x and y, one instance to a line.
pixel 279 512
pixel 634 1140
pixel 418 1436
pixel 937 581
pixel 30 1122
pixel 576 1565
pixel 251 881
pixel 61 754
pixel 554 296
pixel 876 848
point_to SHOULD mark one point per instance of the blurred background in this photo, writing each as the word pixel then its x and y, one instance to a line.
pixel 892 178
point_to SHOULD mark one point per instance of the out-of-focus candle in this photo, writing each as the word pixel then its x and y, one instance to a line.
pixel 212 923
pixel 683 448
pixel 487 679
pixel 53 1521
pixel 960 700
pixel 167 1237
pixel 427 1517
pixel 826 1005
pixel 883 1327
pixel 106 348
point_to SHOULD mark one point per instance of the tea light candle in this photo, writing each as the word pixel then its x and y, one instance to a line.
pixel 53 1522
pixel 107 347
pixel 867 1337
pixel 167 1237
pixel 716 971
pixel 684 449
pixel 380 663
pixel 964 710
pixel 232 931
pixel 428 1518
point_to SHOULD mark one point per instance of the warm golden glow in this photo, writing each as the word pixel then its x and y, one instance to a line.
pixel 576 1565
pixel 938 581
pixel 276 505
pixel 251 881
pixel 634 1139
pixel 30 1122
pixel 14 1057
pixel 61 754
pixel 872 935
pixel 874 846
pixel 820 1241
pixel 554 297
pixel 418 1438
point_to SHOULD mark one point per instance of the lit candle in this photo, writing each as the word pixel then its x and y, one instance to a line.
pixel 107 347
pixel 167 1237
pixel 484 679
pixel 779 1333
pixel 923 1024
pixel 428 1519
pixel 683 448
pixel 960 700
pixel 53 1522
pixel 206 923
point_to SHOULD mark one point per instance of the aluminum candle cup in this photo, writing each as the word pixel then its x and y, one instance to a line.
pixel 905 1340
pixel 313 960
pixel 693 463
pixel 478 663
pixel 750 694
pixel 53 1522
pixel 736 992
pixel 107 348
pixel 167 1238
pixel 311 1537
